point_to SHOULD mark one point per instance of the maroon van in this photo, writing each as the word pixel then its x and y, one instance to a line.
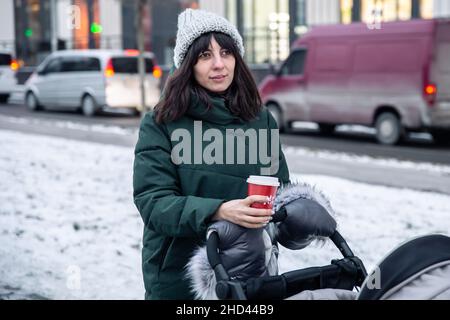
pixel 396 79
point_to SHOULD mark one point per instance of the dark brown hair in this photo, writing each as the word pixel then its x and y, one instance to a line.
pixel 243 98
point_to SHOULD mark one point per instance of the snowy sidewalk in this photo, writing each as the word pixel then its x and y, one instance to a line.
pixel 69 229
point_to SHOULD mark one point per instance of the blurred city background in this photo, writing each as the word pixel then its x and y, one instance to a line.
pixel 31 29
pixel 360 89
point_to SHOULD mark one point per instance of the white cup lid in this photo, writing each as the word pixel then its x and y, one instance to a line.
pixel 264 180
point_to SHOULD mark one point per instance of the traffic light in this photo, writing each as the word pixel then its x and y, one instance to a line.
pixel 28 32
pixel 96 27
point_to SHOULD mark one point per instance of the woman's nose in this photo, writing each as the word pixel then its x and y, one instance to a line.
pixel 218 62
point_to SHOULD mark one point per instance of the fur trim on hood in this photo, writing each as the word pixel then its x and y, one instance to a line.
pixel 201 276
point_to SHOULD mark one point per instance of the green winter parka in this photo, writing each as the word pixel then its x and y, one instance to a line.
pixel 176 199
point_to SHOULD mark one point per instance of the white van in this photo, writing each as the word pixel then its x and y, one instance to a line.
pixel 8 80
pixel 92 80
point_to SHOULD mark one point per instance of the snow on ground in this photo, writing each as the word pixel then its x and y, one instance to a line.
pixel 64 124
pixel 69 229
pixel 353 158
pixel 67 206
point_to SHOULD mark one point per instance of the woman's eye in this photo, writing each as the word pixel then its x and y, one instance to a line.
pixel 226 52
pixel 204 55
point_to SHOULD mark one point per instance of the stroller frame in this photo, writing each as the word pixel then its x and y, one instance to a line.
pixel 346 273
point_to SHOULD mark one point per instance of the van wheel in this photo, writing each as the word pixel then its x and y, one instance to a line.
pixel 88 106
pixel 389 131
pixel 326 128
pixel 277 115
pixel 441 137
pixel 32 102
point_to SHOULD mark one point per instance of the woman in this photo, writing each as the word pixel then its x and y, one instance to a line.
pixel 183 178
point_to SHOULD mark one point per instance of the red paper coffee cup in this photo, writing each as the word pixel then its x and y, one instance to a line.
pixel 263 186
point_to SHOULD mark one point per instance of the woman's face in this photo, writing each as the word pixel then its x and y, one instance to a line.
pixel 215 68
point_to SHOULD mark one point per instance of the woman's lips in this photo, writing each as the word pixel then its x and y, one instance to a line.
pixel 218 78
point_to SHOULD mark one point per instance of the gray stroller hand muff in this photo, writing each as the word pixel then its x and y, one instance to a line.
pixel 305 221
pixel 305 215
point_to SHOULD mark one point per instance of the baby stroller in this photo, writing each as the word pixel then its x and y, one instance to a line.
pixel 418 269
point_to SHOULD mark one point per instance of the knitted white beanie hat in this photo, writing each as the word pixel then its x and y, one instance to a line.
pixel 193 23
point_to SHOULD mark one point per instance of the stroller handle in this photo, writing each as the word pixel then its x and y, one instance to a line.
pixel 341 244
pixel 343 247
pixel 224 287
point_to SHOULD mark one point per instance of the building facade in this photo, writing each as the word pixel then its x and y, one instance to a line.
pixel 7 39
pixel 31 29
pixel 270 26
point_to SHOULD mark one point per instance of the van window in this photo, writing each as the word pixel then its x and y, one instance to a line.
pixel 332 57
pixel 392 57
pixel 294 63
pixel 53 66
pixel 5 59
pixel 78 64
pixel 130 65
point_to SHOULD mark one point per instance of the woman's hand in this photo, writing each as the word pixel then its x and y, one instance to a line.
pixel 239 212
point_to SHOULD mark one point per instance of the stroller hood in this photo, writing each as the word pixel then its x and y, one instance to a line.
pixel 417 269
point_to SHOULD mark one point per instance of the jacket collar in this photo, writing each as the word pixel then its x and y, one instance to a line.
pixel 218 114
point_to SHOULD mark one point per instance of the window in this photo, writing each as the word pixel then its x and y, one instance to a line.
pixel 295 63
pixel 301 13
pixel 78 64
pixel 130 65
pixel 5 59
pixel 53 66
pixel 346 11
pixel 264 28
pixel 426 9
pixel 385 10
pixel 92 64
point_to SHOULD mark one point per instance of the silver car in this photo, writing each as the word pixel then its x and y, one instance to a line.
pixel 92 80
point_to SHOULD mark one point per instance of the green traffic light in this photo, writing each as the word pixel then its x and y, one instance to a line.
pixel 96 28
pixel 28 32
